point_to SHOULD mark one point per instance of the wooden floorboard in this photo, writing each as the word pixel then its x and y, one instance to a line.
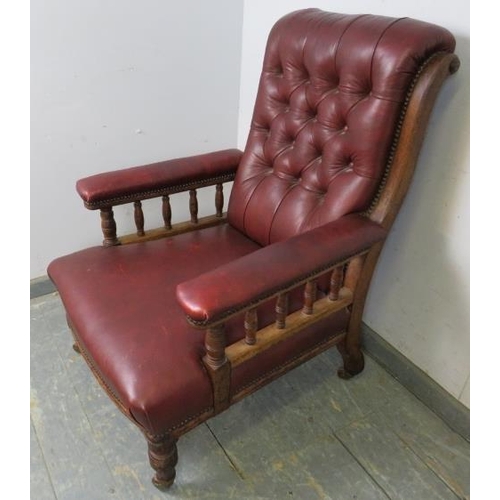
pixel 41 486
pixel 394 466
pixel 427 436
pixel 285 450
pixel 63 430
pixel 308 435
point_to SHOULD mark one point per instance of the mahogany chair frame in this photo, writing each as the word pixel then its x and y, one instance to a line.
pixel 350 278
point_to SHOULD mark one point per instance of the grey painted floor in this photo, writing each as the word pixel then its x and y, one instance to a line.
pixel 308 435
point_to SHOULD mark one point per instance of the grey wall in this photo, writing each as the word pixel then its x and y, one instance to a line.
pixel 123 83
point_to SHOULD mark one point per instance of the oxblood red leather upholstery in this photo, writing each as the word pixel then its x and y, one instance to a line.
pixel 228 288
pixel 327 108
pixel 146 181
pixel 331 92
pixel 128 322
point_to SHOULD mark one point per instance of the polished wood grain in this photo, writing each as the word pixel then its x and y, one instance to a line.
pixel 240 351
pixel 162 452
pixel 281 310
pixel 215 343
pixel 350 347
pixel 179 228
pixel 411 135
pixel 108 226
pixel 166 211
pixel 218 367
pixel 193 206
pixel 336 282
pixel 221 384
pixel 139 218
pixel 286 367
pixel 310 291
pixel 353 270
pixel 251 325
pixel 219 200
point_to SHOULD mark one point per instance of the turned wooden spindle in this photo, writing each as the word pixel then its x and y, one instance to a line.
pixel 219 200
pixel 139 218
pixel 281 310
pixel 108 226
pixel 215 344
pixel 162 451
pixel 166 211
pixel 193 206
pixel 309 297
pixel 251 326
pixel 336 282
pixel 353 271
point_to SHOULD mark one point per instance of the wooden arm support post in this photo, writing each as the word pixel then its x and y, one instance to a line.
pixel 218 366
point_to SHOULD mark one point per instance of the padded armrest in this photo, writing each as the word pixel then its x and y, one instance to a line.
pixel 147 181
pixel 220 293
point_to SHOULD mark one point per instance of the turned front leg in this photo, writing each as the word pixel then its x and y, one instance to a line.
pixel 162 451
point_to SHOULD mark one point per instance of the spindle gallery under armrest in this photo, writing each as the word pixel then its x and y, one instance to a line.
pixel 241 351
pixel 108 224
pixel 220 359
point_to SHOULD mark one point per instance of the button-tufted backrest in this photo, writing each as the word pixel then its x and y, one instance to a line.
pixel 330 97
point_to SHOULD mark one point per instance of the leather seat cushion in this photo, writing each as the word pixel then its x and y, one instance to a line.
pixel 135 335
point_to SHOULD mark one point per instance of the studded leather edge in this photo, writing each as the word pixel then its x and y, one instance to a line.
pixel 397 133
pixel 153 193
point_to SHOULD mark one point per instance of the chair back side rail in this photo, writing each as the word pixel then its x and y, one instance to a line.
pixel 401 166
pixel 410 135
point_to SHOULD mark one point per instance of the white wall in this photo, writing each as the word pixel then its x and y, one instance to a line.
pixel 119 83
pixel 419 299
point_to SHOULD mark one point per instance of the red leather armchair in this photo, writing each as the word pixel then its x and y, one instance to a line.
pixel 178 323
